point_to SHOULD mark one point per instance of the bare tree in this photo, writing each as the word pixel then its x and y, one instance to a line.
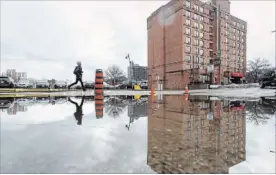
pixel 113 73
pixel 258 113
pixel 256 67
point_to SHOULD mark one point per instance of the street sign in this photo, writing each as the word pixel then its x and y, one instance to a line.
pixel 210 116
pixel 210 68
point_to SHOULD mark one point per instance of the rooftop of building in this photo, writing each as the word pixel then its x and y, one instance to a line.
pixel 200 2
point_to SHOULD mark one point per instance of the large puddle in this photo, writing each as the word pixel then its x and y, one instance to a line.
pixel 137 134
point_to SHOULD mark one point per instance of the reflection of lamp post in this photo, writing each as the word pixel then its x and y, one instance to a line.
pixel 275 56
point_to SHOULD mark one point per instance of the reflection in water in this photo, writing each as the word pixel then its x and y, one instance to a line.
pixel 113 105
pixel 195 136
pixel 260 111
pixel 198 135
pixel 78 114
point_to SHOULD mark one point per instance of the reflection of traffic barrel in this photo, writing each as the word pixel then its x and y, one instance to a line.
pixel 99 102
pixel 99 82
pixel 99 94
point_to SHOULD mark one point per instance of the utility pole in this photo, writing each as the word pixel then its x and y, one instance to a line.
pixel 219 39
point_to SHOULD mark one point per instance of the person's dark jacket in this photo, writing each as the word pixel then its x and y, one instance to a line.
pixel 78 71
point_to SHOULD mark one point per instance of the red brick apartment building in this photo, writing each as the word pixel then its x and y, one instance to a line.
pixel 183 41
pixel 181 138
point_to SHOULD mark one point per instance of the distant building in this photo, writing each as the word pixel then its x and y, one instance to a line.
pixel 16 76
pixel 21 76
pixel 137 72
pixel 11 73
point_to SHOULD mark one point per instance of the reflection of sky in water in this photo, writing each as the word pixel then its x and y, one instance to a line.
pixel 260 140
pixel 46 139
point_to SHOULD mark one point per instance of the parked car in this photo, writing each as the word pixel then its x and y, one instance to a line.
pixel 60 84
pixel 89 85
pixel 6 103
pixel 42 84
pixel 143 84
pixel 23 84
pixel 6 82
pixel 42 100
pixel 268 79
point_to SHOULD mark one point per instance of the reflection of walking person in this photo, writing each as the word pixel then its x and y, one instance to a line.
pixel 78 72
pixel 78 114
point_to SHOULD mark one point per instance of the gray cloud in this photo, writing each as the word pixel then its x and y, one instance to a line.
pixel 45 39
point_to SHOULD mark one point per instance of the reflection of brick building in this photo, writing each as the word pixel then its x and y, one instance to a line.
pixel 182 140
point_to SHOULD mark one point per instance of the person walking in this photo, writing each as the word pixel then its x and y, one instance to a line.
pixel 78 72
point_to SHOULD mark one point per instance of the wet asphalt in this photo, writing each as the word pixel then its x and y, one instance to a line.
pixel 121 134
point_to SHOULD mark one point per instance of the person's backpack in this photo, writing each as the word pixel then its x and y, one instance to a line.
pixel 76 71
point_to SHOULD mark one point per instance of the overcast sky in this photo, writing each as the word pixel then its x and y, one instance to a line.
pixel 46 39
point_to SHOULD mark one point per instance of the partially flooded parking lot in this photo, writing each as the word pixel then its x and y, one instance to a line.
pixel 137 134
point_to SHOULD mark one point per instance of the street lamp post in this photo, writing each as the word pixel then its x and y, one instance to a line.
pixel 217 61
pixel 131 68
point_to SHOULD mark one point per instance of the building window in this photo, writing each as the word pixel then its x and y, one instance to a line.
pixel 201 60
pixel 201 18
pixel 195 16
pixel 196 25
pixel 196 42
pixel 188 22
pixel 242 40
pixel 227 41
pixel 188 58
pixel 196 59
pixel 188 14
pixel 227 33
pixel 227 63
pixel 188 40
pixel 201 9
pixel 196 51
pixel 227 25
pixel 227 48
pixel 195 33
pixel 196 7
pixel 234 37
pixel 188 31
pixel 234 23
pixel 238 38
pixel 226 17
pixel 188 124
pixel 201 43
pixel 234 44
pixel 234 51
pixel 188 4
pixel 188 49
pixel 201 52
pixel 201 35
pixel 201 26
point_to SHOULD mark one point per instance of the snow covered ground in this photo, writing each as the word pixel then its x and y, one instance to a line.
pixel 252 85
pixel 236 92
